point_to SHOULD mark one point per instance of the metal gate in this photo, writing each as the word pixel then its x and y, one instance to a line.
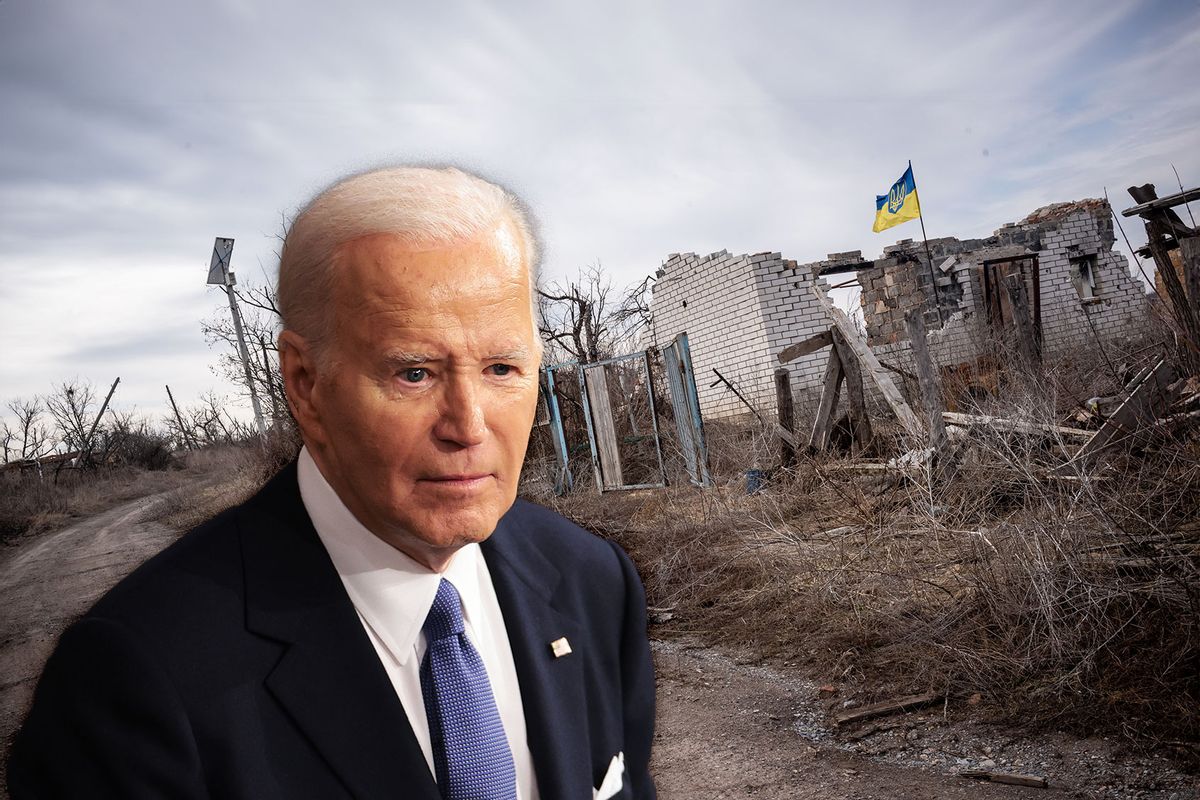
pixel 677 359
pixel 620 413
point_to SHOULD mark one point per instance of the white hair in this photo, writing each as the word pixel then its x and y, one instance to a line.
pixel 424 206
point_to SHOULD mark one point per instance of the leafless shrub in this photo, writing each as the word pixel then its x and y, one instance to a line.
pixel 29 436
pixel 1069 599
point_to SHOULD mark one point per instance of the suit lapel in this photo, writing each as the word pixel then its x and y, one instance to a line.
pixel 329 678
pixel 552 691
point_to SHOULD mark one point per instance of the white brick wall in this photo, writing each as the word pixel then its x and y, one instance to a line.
pixel 723 318
pixel 741 310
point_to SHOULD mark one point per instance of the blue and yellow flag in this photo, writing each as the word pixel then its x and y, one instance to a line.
pixel 899 204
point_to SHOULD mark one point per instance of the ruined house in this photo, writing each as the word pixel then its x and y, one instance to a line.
pixel 740 311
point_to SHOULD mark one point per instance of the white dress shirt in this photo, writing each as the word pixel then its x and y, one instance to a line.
pixel 393 594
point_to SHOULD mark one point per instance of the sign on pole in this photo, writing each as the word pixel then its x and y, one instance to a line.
pixel 219 268
pixel 220 274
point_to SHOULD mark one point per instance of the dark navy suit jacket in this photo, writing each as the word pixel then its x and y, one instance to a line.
pixel 233 665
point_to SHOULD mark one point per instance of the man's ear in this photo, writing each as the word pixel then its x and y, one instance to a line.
pixel 298 364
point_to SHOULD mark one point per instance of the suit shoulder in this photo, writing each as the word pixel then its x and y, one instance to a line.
pixel 193 570
pixel 562 540
pixel 201 568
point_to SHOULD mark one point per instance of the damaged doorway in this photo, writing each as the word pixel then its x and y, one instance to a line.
pixel 607 413
pixel 1012 296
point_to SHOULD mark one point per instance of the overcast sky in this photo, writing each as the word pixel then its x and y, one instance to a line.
pixel 135 132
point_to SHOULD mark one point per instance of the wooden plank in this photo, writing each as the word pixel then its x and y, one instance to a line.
pixel 867 361
pixel 810 345
pixel 1138 409
pixel 830 389
pixel 927 382
pixel 1189 251
pixel 602 422
pixel 786 412
pixel 1010 778
pixel 887 707
pixel 1001 424
pixel 1170 201
pixel 860 423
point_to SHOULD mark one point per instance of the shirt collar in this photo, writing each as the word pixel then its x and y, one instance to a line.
pixel 391 591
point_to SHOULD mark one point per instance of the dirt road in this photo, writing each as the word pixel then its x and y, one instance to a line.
pixel 725 729
pixel 48 581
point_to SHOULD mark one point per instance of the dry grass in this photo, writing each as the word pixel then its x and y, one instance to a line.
pixel 1073 601
pixel 194 485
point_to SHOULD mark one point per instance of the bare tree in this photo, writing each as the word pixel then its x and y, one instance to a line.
pixel 29 437
pixel 573 315
pixel 209 422
pixel 632 318
pixel 72 405
pixel 585 319
pixel 7 437
pixel 260 323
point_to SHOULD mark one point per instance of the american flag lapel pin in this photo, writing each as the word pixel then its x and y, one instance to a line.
pixel 560 647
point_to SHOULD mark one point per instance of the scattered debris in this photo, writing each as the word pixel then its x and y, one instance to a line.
pixel 1012 778
pixel 888 707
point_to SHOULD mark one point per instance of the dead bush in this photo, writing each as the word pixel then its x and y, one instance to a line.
pixel 1071 599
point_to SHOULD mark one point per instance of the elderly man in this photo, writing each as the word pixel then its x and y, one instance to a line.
pixel 384 619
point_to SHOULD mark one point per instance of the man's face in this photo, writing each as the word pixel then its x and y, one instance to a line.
pixel 424 403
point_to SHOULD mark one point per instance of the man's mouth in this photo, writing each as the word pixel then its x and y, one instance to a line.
pixel 465 480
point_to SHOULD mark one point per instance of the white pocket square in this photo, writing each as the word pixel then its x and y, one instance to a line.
pixel 614 779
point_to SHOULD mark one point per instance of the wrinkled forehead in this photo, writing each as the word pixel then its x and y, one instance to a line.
pixel 386 275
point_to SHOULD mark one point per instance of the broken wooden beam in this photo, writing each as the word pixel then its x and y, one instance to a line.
pixel 831 388
pixel 867 360
pixel 810 345
pixel 887 707
pixel 860 423
pixel 1010 778
pixel 785 412
pixel 1147 396
pixel 931 393
pixel 1014 426
pixel 1170 201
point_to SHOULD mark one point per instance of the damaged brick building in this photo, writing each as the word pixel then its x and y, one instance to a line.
pixel 740 311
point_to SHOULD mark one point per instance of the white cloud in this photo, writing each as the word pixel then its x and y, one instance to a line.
pixel 137 133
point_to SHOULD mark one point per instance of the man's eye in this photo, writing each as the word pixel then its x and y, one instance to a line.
pixel 413 374
pixel 501 369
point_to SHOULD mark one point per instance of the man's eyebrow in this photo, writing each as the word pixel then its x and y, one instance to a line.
pixel 516 354
pixel 403 357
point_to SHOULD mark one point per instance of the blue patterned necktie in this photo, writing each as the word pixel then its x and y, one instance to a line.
pixel 471 756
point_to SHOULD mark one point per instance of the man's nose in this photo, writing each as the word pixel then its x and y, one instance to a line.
pixel 461 418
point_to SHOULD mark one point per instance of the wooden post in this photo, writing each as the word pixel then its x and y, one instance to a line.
pixel 830 389
pixel 86 449
pixel 783 401
pixel 860 423
pixel 1189 252
pixel 183 433
pixel 867 360
pixel 931 395
pixel 1160 227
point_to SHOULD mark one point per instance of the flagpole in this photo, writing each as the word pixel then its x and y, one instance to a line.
pixel 925 239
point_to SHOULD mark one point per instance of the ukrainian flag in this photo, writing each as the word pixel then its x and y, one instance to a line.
pixel 899 204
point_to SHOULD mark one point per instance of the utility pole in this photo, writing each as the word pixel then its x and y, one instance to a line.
pixel 183 433
pixel 221 275
pixel 86 451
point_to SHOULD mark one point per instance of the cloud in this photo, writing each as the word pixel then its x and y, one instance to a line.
pixel 134 135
